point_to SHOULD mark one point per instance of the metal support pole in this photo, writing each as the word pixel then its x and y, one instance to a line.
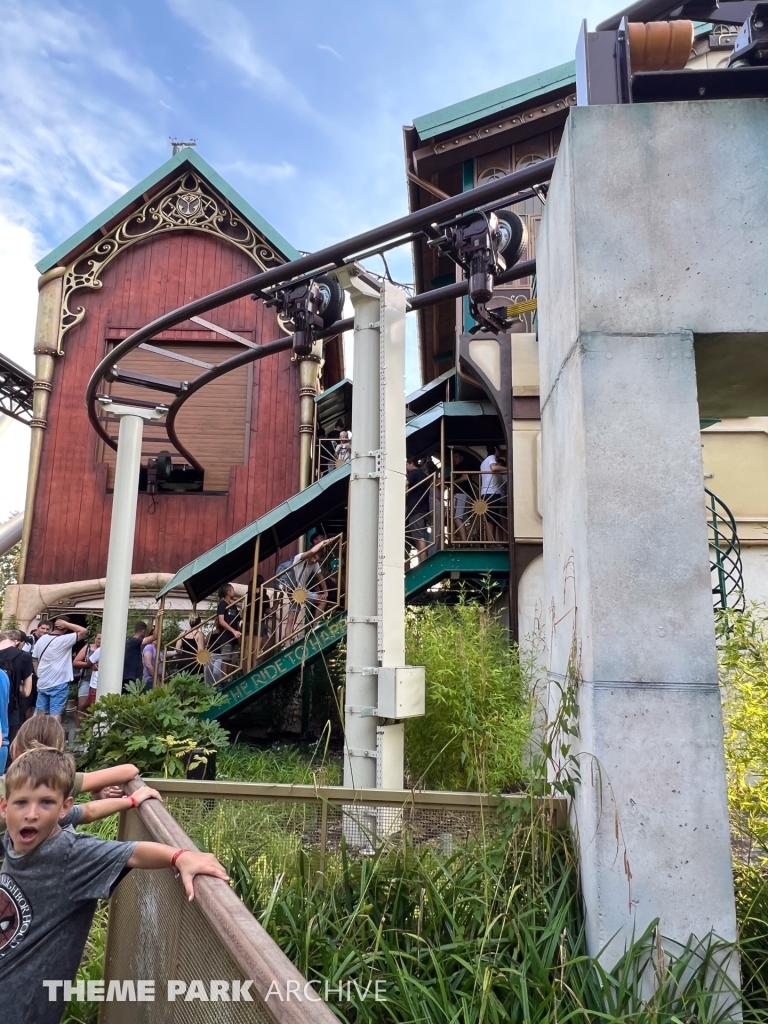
pixel 362 594
pixel 117 591
pixel 255 596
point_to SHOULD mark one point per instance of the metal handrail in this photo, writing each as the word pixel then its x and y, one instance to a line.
pixel 330 453
pixel 423 515
pixel 725 555
pixel 476 514
pixel 207 659
pixel 318 262
pixel 291 604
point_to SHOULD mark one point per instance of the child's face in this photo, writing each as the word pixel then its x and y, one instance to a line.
pixel 32 815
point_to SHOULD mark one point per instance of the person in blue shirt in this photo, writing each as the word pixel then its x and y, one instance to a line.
pixel 5 696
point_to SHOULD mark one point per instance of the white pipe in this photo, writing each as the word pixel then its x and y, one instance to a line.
pixel 120 557
pixel 362 548
pixel 10 532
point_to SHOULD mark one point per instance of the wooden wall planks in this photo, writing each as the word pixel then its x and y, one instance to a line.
pixel 70 530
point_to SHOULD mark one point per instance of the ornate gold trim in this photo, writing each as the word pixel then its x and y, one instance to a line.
pixel 188 204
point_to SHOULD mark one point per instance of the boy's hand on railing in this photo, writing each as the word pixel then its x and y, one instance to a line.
pixel 191 863
pixel 109 793
pixel 145 793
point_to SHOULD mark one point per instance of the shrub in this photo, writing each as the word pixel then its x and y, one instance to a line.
pixel 477 713
pixel 743 645
pixel 156 730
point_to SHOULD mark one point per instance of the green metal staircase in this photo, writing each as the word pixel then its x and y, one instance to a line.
pixel 469 566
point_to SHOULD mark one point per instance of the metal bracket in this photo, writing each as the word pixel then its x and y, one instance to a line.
pixel 357 752
pixel 369 327
pixel 357 670
pixel 364 618
pixel 353 709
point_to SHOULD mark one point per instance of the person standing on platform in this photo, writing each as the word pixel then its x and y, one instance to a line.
pixel 52 660
pixel 17 663
pixel 492 469
pixel 132 663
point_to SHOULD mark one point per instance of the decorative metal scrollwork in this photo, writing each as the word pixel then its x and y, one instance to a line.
pixel 188 204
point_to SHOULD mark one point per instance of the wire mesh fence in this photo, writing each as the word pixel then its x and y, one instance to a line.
pixel 270 824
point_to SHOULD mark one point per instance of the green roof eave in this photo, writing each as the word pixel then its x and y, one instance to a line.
pixel 184 156
pixel 296 515
pixel 488 103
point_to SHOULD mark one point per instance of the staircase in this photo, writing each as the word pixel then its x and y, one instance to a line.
pixel 442 566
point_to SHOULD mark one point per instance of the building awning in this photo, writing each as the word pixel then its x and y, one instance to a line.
pixel 283 525
pixel 335 405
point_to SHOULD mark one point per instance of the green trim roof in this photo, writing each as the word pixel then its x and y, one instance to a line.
pixel 458 114
pixel 234 555
pixel 184 156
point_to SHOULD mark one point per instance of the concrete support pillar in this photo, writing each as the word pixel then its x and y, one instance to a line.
pixel 117 591
pixel 46 347
pixel 630 619
pixel 362 595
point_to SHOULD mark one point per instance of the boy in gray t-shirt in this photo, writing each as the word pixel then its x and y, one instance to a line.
pixel 51 879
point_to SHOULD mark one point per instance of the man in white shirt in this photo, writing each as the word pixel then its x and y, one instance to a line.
pixel 492 473
pixel 52 659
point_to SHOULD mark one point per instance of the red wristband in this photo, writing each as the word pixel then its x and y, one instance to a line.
pixel 176 856
pixel 133 800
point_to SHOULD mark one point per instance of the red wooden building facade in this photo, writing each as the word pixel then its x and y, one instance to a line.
pixel 145 256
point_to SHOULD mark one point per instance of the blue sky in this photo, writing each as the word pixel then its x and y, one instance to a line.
pixel 299 105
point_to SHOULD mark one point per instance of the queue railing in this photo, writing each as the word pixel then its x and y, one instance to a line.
pixel 330 453
pixel 423 520
pixel 208 652
pixel 476 512
pixel 297 598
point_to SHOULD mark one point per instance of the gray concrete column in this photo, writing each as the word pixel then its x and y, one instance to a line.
pixel 630 619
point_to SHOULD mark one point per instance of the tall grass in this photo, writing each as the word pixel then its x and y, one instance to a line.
pixel 492 933
pixel 284 763
pixel 477 722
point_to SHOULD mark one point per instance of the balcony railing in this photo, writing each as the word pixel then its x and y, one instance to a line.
pixel 478 509
pixel 283 610
pixel 297 599
pixel 330 454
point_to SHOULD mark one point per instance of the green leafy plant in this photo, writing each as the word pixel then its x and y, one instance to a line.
pixel 477 721
pixel 743 648
pixel 161 731
pixel 91 969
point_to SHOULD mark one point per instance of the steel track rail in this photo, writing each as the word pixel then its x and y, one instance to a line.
pixel 325 259
pixel 452 291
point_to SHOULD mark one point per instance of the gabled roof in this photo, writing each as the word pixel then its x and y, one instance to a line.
pixel 488 103
pixel 189 157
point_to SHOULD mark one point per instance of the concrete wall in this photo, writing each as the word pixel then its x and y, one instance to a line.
pixel 652 208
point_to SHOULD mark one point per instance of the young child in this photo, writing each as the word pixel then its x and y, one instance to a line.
pixel 44 731
pixel 51 880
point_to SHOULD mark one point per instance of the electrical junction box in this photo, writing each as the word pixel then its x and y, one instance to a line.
pixel 401 692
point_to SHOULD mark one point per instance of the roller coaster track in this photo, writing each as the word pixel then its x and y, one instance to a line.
pixel 505 191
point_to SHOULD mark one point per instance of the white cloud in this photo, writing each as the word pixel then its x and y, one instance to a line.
pixel 258 172
pixel 68 143
pixel 328 49
pixel 18 300
pixel 228 35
